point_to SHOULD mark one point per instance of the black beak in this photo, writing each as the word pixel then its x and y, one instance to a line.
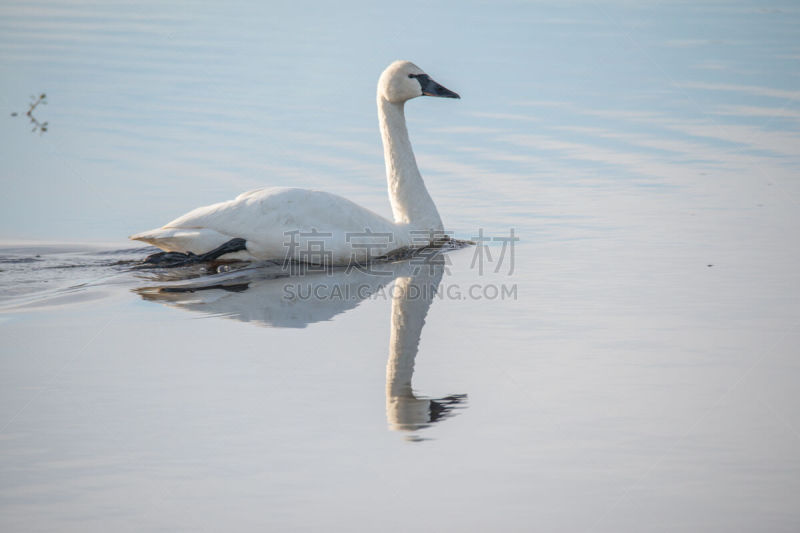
pixel 431 88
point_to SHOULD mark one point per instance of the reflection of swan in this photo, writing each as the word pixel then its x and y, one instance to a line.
pixel 411 299
pixel 258 224
pixel 268 297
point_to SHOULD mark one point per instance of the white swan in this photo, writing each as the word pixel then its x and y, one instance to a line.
pixel 279 223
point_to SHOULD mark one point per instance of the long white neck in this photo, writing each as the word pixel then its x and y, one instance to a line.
pixel 411 203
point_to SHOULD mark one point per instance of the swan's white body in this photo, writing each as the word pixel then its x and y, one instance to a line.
pixel 280 223
pixel 266 218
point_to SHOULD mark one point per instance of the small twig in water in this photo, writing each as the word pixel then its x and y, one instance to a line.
pixel 41 127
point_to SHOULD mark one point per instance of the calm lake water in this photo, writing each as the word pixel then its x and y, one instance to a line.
pixel 633 369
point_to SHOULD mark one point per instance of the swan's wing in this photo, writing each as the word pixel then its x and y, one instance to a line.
pixel 264 218
pixel 264 210
pixel 204 228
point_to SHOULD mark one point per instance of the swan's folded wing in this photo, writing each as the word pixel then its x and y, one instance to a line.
pixel 267 218
pixel 250 216
pixel 247 215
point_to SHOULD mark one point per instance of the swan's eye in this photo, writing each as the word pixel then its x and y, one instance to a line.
pixel 412 75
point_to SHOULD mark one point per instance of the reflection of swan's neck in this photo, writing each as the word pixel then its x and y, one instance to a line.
pixel 408 317
pixel 411 203
pixel 412 297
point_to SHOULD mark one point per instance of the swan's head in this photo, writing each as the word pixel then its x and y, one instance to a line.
pixel 403 80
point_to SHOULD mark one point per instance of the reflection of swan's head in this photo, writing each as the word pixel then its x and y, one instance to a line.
pixel 409 413
pixel 403 80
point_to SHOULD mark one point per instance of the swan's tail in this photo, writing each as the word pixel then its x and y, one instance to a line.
pixel 150 237
pixel 195 240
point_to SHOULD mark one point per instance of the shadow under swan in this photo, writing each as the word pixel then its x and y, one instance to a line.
pixel 269 296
